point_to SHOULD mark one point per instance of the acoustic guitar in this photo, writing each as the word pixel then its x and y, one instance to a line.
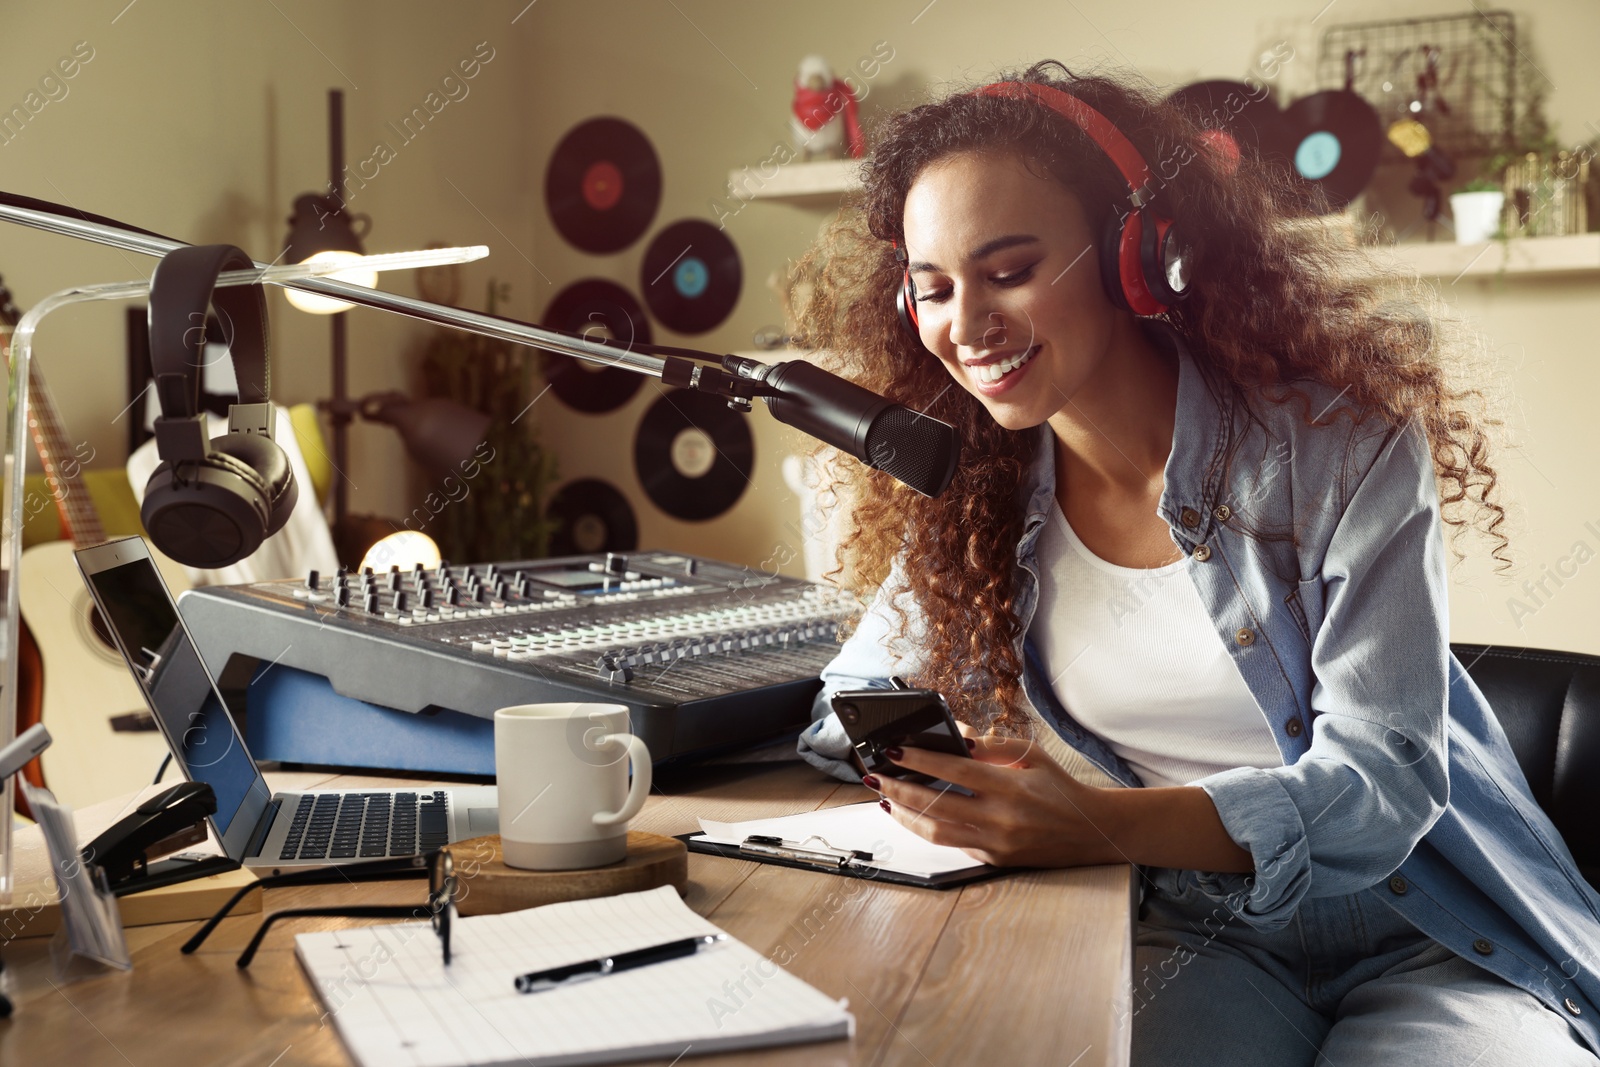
pixel 106 743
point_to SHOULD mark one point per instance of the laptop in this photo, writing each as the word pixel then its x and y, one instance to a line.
pixel 265 831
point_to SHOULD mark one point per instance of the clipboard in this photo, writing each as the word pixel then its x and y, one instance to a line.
pixel 829 860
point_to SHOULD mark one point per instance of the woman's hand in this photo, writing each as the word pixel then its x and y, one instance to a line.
pixel 1025 811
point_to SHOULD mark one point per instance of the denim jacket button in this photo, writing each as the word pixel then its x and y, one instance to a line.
pixel 1223 513
pixel 1202 553
pixel 1293 728
pixel 1573 1008
pixel 1482 946
pixel 1189 517
pixel 1398 885
pixel 1245 636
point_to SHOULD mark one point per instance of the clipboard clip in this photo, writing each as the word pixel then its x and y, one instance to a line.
pixel 804 852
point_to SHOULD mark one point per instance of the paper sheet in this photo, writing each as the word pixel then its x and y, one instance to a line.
pixel 852 826
pixel 395 1002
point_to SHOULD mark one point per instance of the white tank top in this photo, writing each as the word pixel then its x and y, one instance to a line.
pixel 1133 656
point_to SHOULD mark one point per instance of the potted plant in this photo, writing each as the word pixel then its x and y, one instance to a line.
pixel 494 509
pixel 1477 209
pixel 1528 135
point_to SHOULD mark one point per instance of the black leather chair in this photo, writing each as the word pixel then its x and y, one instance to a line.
pixel 1548 703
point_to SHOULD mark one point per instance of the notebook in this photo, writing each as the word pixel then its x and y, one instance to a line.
pixel 394 1001
pixel 840 840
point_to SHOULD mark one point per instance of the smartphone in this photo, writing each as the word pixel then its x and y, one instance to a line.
pixel 878 719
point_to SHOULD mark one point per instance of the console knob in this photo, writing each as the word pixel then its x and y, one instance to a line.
pixel 691 566
pixel 341 596
pixel 616 563
pixel 372 603
pixel 399 602
pixel 427 598
pixel 312 581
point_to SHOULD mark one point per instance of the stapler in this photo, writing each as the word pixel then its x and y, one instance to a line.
pixel 166 822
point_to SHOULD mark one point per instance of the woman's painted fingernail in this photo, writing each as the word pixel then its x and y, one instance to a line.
pixel 894 753
pixel 972 746
pixel 883 802
pixel 870 781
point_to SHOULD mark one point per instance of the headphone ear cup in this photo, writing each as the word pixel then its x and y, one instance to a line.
pixel 1161 239
pixel 207 513
pixel 905 305
pixel 269 463
pixel 1111 263
pixel 1132 268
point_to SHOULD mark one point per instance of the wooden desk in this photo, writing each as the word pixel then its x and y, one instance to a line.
pixel 1033 967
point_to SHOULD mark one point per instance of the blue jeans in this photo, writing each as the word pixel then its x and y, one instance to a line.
pixel 1347 983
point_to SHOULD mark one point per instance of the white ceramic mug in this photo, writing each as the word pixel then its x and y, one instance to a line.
pixel 562 772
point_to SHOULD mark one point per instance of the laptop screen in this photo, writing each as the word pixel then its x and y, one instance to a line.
pixel 205 741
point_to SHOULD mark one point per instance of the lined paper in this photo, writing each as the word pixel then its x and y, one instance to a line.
pixel 395 1002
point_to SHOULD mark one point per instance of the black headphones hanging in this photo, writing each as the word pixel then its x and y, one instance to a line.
pixel 1144 259
pixel 212 502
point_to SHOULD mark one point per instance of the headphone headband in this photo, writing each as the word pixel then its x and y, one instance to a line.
pixel 181 293
pixel 1128 160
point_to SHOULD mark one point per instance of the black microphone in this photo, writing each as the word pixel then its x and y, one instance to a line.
pixel 917 449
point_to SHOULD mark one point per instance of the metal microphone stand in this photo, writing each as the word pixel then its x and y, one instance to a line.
pixel 674 370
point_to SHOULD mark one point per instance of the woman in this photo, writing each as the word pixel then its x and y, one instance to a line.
pixel 1187 589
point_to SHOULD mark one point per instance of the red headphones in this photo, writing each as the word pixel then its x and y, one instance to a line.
pixel 1144 259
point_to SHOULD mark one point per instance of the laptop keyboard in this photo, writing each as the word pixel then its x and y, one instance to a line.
pixel 351 825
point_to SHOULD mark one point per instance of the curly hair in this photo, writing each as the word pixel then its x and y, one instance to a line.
pixel 1275 298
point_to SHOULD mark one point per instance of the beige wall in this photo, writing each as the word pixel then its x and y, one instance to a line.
pixel 204 120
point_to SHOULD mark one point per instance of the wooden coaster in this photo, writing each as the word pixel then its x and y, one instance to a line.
pixel 488 886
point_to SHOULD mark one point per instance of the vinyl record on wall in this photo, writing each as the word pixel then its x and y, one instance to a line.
pixel 591 515
pixel 691 276
pixel 693 455
pixel 1337 137
pixel 603 185
pixel 602 310
pixel 1236 119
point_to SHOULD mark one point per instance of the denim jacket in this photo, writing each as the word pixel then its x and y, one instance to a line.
pixel 1396 773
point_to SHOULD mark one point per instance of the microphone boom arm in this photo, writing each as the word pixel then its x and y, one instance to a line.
pixel 672 369
pixel 910 446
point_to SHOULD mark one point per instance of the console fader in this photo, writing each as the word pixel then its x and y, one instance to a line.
pixel 705 655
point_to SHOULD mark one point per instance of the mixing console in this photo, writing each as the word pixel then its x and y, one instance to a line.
pixel 705 655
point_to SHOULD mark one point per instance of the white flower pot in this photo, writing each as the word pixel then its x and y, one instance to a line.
pixel 1477 215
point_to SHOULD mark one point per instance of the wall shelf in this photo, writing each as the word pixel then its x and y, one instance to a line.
pixel 819 184
pixel 797 182
pixel 1577 253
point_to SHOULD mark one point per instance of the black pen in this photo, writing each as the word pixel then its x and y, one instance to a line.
pixel 535 981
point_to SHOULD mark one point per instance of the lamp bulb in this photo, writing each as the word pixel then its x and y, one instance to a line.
pixel 325 305
pixel 404 548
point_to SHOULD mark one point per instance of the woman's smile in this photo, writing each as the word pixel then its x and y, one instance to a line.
pixel 995 375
